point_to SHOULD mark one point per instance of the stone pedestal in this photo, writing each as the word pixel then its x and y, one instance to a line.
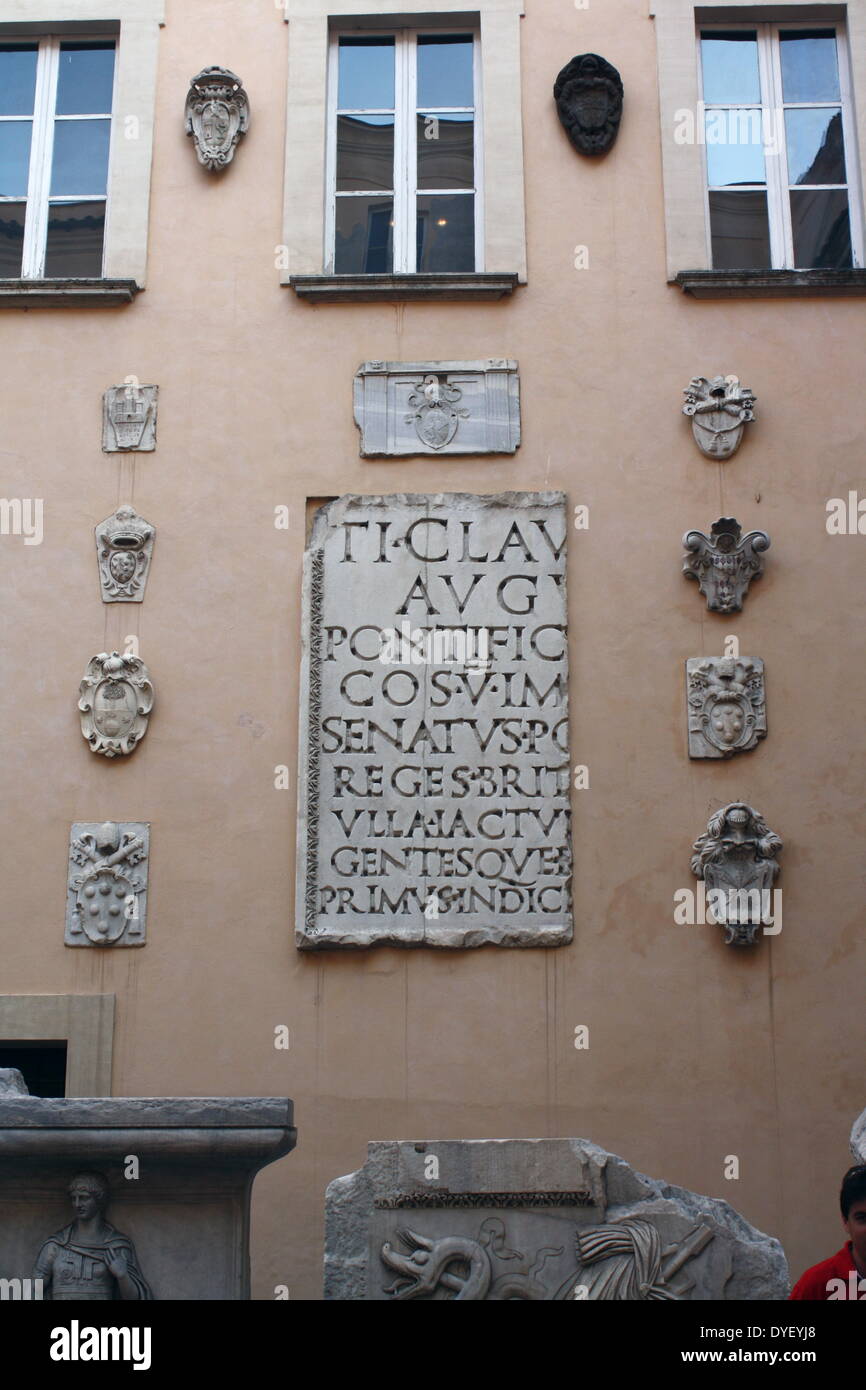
pixel 186 1212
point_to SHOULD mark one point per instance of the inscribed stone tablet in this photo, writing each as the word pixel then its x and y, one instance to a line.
pixel 434 772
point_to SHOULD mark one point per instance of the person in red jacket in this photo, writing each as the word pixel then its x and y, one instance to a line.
pixel 844 1274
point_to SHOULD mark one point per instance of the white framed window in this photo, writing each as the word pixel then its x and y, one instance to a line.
pixel 782 188
pixel 56 103
pixel 403 169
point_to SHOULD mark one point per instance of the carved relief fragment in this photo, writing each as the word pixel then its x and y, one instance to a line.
pixel 720 408
pixel 217 115
pixel 445 408
pixel 124 547
pixel 435 411
pixel 115 700
pixel 724 563
pixel 588 94
pixel 129 418
pixel 726 704
pixel 89 1259
pixel 107 884
pixel 736 858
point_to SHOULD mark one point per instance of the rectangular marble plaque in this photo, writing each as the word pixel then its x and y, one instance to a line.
pixel 438 407
pixel 434 770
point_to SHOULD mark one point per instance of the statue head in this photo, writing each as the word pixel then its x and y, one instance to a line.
pixel 89 1194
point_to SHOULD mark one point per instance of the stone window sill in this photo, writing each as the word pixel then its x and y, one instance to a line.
pixel 76 294
pixel 770 284
pixel 367 289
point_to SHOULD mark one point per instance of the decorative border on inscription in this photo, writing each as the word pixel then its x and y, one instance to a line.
pixel 582 1198
pixel 314 735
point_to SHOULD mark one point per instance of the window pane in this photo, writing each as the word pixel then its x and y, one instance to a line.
pixel 365 152
pixel 735 150
pixel 80 163
pixel 740 231
pixel 445 233
pixel 14 158
pixel 17 78
pixel 445 70
pixel 446 157
pixel 816 152
pixel 85 78
pixel 822 230
pixel 810 69
pixel 365 234
pixel 730 67
pixel 74 246
pixel 11 238
pixel 366 74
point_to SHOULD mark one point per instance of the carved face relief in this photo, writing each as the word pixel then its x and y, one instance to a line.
pixel 726 705
pixel 588 94
pixel 115 700
pixel 735 858
pixel 720 408
pixel 724 563
pixel 124 547
pixel 217 115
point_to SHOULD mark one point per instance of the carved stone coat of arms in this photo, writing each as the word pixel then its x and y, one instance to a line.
pixel 107 885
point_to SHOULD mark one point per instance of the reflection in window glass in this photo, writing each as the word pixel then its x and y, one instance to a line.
pixel 366 76
pixel 810 68
pixel 17 79
pixel 11 238
pixel 85 79
pixel 14 158
pixel 446 153
pixel 75 235
pixel 822 229
pixel 730 67
pixel 80 161
pixel 740 231
pixel 816 152
pixel 364 236
pixel 365 153
pixel 445 70
pixel 735 149
pixel 445 232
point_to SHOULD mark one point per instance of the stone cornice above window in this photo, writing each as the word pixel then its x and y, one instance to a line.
pixel 770 284
pixel 364 289
pixel 52 294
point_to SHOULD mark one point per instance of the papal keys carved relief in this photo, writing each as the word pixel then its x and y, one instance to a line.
pixel 588 94
pixel 217 115
pixel 726 704
pixel 107 884
pixel 124 546
pixel 115 700
pixel 724 563
pixel 736 858
pixel 720 408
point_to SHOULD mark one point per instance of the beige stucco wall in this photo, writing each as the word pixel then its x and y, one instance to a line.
pixel 697 1051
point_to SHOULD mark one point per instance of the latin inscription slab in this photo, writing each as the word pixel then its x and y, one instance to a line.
pixel 434 771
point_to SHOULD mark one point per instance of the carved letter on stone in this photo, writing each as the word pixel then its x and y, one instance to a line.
pixel 89 1259
pixel 437 407
pixel 217 115
pixel 720 410
pixel 735 857
pixel 129 419
pixel 726 703
pixel 124 547
pixel 588 94
pixel 435 636
pixel 115 700
pixel 724 563
pixel 107 897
